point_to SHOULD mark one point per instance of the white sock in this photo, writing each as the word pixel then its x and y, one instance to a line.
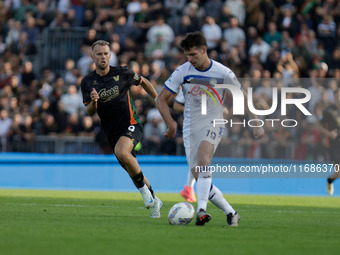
pixel 143 189
pixel 216 197
pixel 203 187
pixel 190 179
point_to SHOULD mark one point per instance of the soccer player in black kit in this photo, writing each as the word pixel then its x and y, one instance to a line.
pixel 106 91
pixel 330 127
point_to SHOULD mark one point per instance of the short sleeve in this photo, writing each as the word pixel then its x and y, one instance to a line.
pixel 174 81
pixel 134 78
pixel 231 79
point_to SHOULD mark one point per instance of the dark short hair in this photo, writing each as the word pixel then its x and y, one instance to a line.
pixel 194 39
pixel 99 42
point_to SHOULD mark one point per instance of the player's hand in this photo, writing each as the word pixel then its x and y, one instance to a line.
pixel 94 95
pixel 225 112
pixel 171 131
pixel 333 134
pixel 258 132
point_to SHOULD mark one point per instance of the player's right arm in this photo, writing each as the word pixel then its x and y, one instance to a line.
pixel 332 134
pixel 170 89
pixel 91 108
pixel 90 95
pixel 163 107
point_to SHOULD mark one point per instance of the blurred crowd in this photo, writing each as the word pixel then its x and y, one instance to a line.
pixel 281 40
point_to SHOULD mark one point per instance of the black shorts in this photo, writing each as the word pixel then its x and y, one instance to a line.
pixel 334 154
pixel 134 132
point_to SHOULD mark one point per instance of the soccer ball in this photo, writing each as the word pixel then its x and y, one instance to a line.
pixel 181 213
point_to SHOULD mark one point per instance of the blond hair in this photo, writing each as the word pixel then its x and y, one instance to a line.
pixel 99 42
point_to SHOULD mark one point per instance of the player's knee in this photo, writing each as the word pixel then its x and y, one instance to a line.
pixel 204 161
pixel 122 155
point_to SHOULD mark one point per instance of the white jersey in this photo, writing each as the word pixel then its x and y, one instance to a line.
pixel 194 84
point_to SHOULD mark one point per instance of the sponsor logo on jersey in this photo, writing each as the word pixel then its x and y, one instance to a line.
pixel 107 95
pixel 116 78
pixel 198 91
pixel 212 81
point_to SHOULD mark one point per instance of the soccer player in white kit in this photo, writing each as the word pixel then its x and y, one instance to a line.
pixel 197 77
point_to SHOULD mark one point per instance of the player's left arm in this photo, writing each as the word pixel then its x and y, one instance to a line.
pixel 148 87
pixel 179 101
pixel 178 106
pixel 258 129
pixel 332 134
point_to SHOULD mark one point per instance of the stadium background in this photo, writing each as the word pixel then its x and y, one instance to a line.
pixel 45 52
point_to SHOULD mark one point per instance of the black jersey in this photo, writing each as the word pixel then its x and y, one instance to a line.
pixel 115 106
pixel 331 121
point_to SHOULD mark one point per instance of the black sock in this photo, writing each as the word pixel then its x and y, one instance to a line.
pixel 152 193
pixel 139 179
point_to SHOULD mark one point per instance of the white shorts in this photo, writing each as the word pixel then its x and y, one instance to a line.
pixel 193 139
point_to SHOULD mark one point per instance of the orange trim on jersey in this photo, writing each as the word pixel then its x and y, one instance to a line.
pixel 141 79
pixel 133 121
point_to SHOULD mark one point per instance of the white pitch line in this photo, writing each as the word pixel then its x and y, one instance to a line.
pixel 115 206
pixel 61 205
pixel 313 212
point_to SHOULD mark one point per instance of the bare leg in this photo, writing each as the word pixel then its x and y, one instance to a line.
pixel 334 176
pixel 204 155
pixel 123 150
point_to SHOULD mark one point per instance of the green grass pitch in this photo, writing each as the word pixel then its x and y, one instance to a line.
pixel 80 222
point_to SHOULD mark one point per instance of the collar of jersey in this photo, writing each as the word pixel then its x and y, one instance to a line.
pixel 103 75
pixel 211 62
